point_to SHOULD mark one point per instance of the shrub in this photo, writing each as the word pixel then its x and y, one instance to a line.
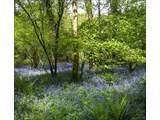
pixel 110 78
pixel 22 84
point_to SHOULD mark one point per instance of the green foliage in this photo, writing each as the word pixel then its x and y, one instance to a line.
pixel 27 49
pixel 110 78
pixel 22 84
pixel 104 42
pixel 31 84
pixel 116 39
pixel 114 53
pixel 115 6
pixel 74 102
pixel 138 100
pixel 111 40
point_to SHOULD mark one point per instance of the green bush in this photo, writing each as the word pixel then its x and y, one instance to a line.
pixel 110 78
pixel 22 84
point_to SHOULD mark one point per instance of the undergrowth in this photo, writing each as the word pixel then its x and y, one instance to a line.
pixel 72 101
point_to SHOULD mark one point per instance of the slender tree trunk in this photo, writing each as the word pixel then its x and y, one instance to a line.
pixel 35 58
pixel 82 69
pixel 56 27
pixel 39 35
pixel 131 67
pixel 88 5
pixel 76 54
pixel 56 47
pixel 49 61
pixel 55 58
pixel 99 8
pixel 114 4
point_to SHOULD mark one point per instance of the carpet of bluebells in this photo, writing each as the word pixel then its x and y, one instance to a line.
pixel 114 94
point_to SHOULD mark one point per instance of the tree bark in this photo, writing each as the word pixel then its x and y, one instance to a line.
pixel 75 68
pixel 88 5
pixel 99 8
pixel 56 27
pixel 114 4
pixel 39 36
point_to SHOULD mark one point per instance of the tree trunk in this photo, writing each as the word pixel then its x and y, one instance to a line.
pixel 35 58
pixel 82 69
pixel 55 63
pixel 131 67
pixel 39 35
pixel 75 68
pixel 56 27
pixel 114 4
pixel 88 5
pixel 56 48
pixel 99 8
